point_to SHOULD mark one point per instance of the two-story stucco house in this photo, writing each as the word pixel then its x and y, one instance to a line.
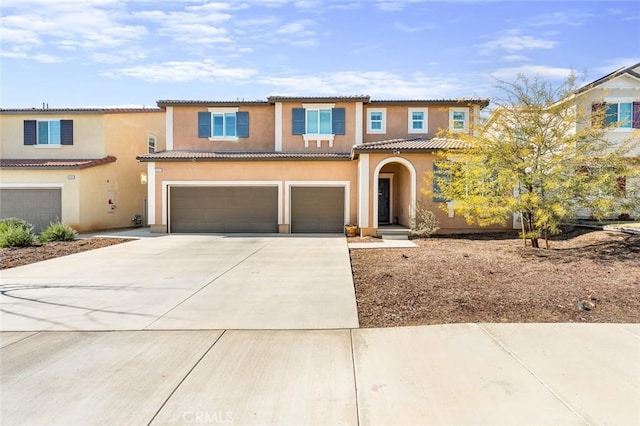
pixel 300 164
pixel 76 165
pixel 617 95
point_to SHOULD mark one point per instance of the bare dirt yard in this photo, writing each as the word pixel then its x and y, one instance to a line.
pixel 18 256
pixel 586 276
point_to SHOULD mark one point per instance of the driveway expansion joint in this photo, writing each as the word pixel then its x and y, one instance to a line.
pixel 185 377
pixel 217 277
pixel 513 355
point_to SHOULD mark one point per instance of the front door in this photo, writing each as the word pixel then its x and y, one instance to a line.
pixel 383 200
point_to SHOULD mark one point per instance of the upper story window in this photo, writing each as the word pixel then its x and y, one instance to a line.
pixel 377 120
pixel 418 120
pixel 48 132
pixel 319 122
pixel 151 144
pixel 458 119
pixel 223 124
pixel 620 115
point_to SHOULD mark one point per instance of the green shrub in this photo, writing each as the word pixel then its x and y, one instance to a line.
pixel 425 224
pixel 14 222
pixel 16 236
pixel 58 231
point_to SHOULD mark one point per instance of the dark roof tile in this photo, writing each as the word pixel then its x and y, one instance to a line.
pixel 411 144
pixel 240 156
pixel 55 163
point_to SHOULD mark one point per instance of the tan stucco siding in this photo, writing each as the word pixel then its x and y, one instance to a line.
pixel 103 182
pixel 261 130
pixel 126 137
pixel 278 172
pixel 397 122
pixel 88 137
pixel 341 143
pixel 69 181
pixel 422 163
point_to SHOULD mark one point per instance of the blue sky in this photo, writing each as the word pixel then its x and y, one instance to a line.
pixel 72 53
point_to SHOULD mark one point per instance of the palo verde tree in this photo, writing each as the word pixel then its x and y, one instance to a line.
pixel 540 155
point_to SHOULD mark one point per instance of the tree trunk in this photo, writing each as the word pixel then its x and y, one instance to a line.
pixel 530 222
pixel 546 236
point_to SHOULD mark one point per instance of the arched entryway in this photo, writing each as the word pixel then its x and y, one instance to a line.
pixel 394 192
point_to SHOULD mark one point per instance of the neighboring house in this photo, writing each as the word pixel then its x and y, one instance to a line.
pixel 76 165
pixel 618 94
pixel 300 164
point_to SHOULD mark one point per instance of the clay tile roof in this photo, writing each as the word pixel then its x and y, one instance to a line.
pixel 55 163
pixel 106 110
pixel 195 102
pixel 412 144
pixel 463 101
pixel 355 98
pixel 240 156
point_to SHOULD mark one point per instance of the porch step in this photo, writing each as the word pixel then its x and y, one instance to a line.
pixel 393 233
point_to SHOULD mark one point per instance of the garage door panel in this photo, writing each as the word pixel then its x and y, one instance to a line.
pixel 37 206
pixel 317 209
pixel 224 209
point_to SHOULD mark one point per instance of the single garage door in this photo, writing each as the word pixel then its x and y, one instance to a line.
pixel 317 209
pixel 223 209
pixel 37 206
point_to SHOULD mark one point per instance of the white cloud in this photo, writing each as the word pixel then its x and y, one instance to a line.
pixel 613 64
pixel 389 6
pixel 514 58
pixel 553 73
pixel 404 28
pixel 572 18
pixel 515 43
pixel 128 55
pixel 395 5
pixel 378 84
pixel 46 59
pixel 41 26
pixel 177 72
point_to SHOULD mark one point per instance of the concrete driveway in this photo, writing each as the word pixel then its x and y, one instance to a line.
pixel 187 282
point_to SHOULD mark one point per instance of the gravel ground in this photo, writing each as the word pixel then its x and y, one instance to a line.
pixel 584 277
pixel 18 256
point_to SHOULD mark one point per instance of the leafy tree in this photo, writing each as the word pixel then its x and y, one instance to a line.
pixel 542 155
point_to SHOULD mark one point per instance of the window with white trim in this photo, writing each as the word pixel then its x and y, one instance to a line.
pixel 318 121
pixel 55 132
pixel 224 124
pixel 619 114
pixel 458 119
pixel 377 120
pixel 418 120
pixel 48 132
pixel 151 144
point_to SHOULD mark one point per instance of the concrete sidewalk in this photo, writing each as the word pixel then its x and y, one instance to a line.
pixel 511 374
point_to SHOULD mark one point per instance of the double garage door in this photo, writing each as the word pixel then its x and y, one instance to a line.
pixel 39 207
pixel 253 209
